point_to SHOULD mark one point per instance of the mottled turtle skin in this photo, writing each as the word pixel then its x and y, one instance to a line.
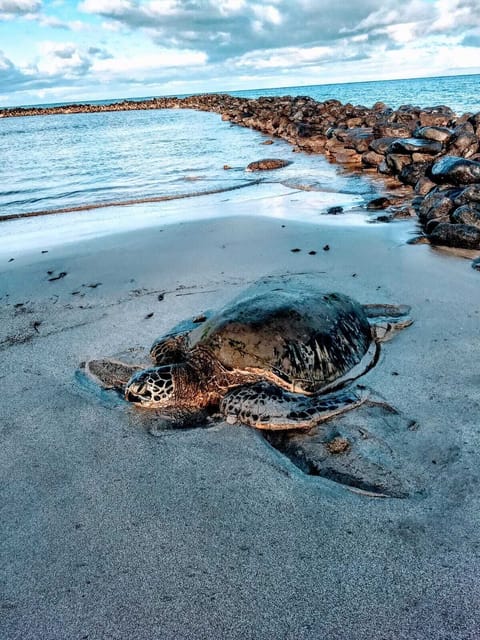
pixel 271 358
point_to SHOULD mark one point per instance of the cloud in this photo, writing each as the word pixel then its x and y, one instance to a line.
pixel 230 28
pixel 204 45
pixel 9 9
pixel 19 6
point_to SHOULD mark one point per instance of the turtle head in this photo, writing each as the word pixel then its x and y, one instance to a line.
pixel 153 387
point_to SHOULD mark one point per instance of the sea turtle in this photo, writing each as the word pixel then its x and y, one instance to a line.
pixel 279 356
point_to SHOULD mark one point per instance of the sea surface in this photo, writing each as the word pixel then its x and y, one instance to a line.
pixel 57 162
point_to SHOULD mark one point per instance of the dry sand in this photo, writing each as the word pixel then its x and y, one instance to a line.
pixel 110 533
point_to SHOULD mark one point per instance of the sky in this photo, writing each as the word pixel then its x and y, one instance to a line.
pixel 66 50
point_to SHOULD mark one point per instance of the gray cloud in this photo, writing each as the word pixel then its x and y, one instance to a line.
pixel 62 65
pixel 11 8
pixel 230 28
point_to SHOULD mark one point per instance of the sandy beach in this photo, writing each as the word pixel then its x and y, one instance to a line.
pixel 110 533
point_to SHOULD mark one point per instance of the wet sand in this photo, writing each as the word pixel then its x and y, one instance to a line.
pixel 109 532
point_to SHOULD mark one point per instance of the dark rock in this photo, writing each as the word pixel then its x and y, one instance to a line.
pixel 424 186
pixel 392 130
pixel 372 159
pixel 467 214
pixel 411 145
pixel 455 170
pixel 403 212
pixel 464 142
pixel 396 162
pixel 411 173
pixel 380 145
pixel 476 264
pixel 469 194
pixel 437 204
pixel 439 134
pixel 334 211
pixel 267 164
pixel 462 236
pixel 379 203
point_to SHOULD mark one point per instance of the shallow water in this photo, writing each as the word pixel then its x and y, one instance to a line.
pixel 83 160
pixel 79 160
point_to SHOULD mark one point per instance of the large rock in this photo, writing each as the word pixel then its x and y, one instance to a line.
pixel 455 170
pixel 437 205
pixel 469 194
pixel 267 164
pixel 411 173
pixel 467 214
pixel 439 134
pixel 464 142
pixel 463 236
pixel 380 145
pixel 415 145
pixel 372 159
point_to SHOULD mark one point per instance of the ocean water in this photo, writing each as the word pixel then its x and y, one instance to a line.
pixel 81 160
pixel 460 93
pixel 84 160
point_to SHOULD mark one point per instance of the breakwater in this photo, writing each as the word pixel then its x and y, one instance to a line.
pixel 433 151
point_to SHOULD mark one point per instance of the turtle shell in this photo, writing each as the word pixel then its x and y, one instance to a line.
pixel 301 334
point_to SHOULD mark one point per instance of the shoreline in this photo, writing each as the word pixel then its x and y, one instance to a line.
pixel 210 533
pixel 124 203
pixel 432 151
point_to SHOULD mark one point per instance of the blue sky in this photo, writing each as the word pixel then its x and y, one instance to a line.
pixel 64 50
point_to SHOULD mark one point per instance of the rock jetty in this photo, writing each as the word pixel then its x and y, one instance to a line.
pixel 432 151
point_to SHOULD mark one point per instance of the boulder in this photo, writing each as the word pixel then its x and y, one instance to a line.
pixel 439 134
pixel 267 164
pixel 469 194
pixel 415 145
pixel 455 170
pixel 438 204
pixel 463 236
pixel 380 145
pixel 466 214
pixel 411 173
pixel 372 159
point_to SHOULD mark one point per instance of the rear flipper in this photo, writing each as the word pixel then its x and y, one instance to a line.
pixel 387 319
pixel 264 405
pixel 361 449
pixel 322 437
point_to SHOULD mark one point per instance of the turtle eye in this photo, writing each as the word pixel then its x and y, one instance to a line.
pixel 150 387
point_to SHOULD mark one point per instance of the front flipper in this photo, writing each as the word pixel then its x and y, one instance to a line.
pixel 109 373
pixel 264 405
pixel 387 319
pixel 173 346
